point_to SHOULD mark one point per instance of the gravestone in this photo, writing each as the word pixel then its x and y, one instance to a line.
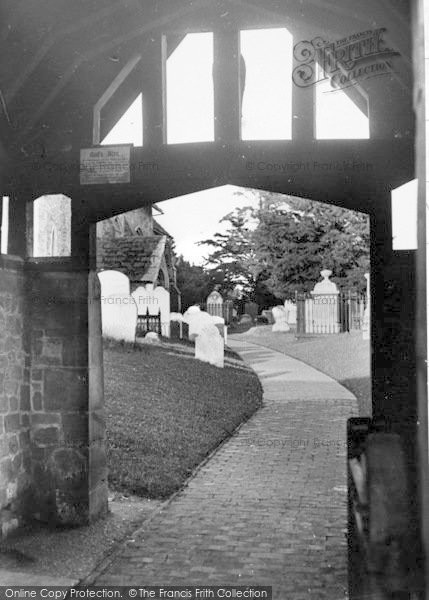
pixel 280 319
pixel 209 346
pixel 176 317
pixel 157 300
pixel 151 337
pixel 214 304
pixel 219 322
pixel 112 283
pixel 119 317
pixel 196 319
pixel 251 308
pixel 246 319
pixel 267 314
pixel 291 310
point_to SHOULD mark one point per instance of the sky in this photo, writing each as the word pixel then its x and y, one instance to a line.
pixel 267 114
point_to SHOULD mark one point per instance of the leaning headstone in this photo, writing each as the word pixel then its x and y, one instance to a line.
pixel 209 346
pixel 280 319
pixel 119 317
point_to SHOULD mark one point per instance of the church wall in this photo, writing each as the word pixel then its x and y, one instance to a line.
pixel 15 450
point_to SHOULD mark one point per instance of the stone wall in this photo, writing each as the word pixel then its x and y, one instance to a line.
pixel 67 432
pixel 15 453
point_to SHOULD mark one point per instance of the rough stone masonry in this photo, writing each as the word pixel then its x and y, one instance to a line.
pixel 53 464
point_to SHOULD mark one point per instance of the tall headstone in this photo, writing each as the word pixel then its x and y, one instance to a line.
pixel 119 317
pixel 209 346
pixel 113 282
pixel 366 327
pixel 326 307
pixel 214 304
pixel 118 309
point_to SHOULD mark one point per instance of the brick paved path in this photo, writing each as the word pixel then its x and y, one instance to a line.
pixel 269 508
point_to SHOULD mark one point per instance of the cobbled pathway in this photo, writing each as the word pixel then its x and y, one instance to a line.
pixel 269 507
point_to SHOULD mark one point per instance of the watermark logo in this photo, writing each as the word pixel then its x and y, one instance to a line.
pixel 344 62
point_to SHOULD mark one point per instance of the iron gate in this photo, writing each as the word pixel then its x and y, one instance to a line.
pixel 148 322
pixel 329 313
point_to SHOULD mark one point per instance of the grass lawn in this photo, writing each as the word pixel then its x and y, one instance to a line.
pixel 345 357
pixel 166 411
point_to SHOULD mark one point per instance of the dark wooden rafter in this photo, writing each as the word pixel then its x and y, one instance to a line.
pixel 154 93
pixel 49 42
pixel 227 86
pixel 172 21
pixel 128 89
pixel 11 18
pixel 147 28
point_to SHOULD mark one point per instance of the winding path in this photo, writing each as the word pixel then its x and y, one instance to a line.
pixel 269 507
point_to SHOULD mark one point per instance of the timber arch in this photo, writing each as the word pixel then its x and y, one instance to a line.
pixel 63 88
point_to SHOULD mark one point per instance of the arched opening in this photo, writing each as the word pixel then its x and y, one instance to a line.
pixel 187 223
pixel 52 226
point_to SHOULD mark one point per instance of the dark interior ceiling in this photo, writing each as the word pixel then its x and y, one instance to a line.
pixel 59 56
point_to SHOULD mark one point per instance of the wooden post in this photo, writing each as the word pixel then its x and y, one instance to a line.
pixel 154 92
pixel 303 113
pixel 17 225
pixel 227 86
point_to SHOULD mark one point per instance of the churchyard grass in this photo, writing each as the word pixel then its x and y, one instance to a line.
pixel 166 412
pixel 345 357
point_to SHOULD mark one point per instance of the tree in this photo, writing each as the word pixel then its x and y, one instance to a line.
pixel 233 261
pixel 281 245
pixel 193 282
pixel 294 241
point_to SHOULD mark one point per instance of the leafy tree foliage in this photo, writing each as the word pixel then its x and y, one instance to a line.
pixel 194 283
pixel 282 245
pixel 294 242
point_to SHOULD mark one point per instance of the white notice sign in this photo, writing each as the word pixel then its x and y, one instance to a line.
pixel 105 164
